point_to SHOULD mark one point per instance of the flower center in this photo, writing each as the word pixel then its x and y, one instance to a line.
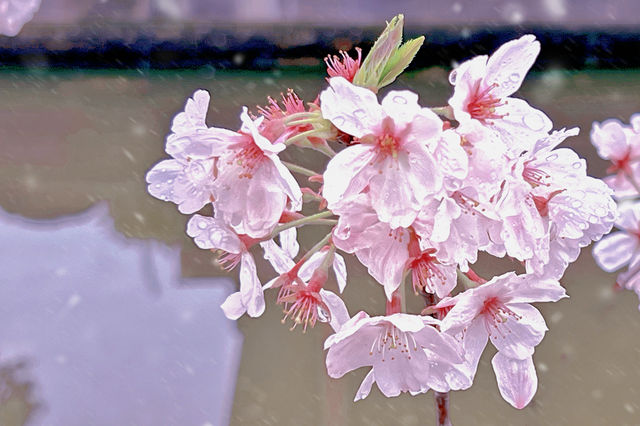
pixel 388 145
pixel 306 307
pixel 496 314
pixel 425 274
pixel 228 261
pixel 535 177
pixel 621 164
pixel 248 158
pixel 392 343
pixel 482 103
pixel 542 203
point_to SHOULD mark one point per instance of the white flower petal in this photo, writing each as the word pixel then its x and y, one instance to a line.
pixel 517 379
pixel 250 287
pixel 337 309
pixel 365 386
pixel 213 233
pixel 352 109
pixel 615 250
pixel 508 65
pixel 278 258
pixel 340 269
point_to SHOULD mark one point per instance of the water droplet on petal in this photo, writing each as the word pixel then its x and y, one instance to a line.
pixel 576 204
pixel 359 113
pixel 533 121
pixel 453 76
pixel 514 78
pixel 338 121
pixel 202 224
pixel 552 157
pixel 400 99
pixel 577 165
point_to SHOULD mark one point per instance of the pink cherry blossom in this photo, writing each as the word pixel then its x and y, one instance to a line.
pixel 384 251
pixel 574 209
pixel 239 172
pixel 253 187
pixel 406 353
pixel 301 284
pixel 394 155
pixel 214 234
pixel 187 179
pixel 500 311
pixel 15 13
pixel 482 93
pixel 428 273
pixel 622 247
pixel 619 144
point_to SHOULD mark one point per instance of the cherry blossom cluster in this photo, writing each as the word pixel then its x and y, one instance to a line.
pixel 415 193
pixel 620 144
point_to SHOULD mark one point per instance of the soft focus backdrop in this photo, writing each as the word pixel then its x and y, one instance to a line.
pixel 110 313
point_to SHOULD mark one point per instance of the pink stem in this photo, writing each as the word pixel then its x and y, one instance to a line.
pixel 442 408
pixel 441 398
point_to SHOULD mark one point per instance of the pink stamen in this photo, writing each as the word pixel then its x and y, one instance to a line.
pixel 346 67
pixel 535 177
pixel 248 158
pixel 496 313
pixel 228 261
pixel 482 104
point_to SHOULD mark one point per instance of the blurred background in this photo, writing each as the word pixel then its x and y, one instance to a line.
pixel 110 314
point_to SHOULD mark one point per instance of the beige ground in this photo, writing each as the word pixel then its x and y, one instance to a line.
pixel 68 140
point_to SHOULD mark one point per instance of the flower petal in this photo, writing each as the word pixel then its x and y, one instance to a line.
pixel 337 309
pixel 289 242
pixel 213 233
pixel 401 106
pixel 352 109
pixel 517 336
pixel 345 174
pixel 278 258
pixel 615 250
pixel 250 287
pixel 517 379
pixel 233 307
pixel 365 386
pixel 340 269
pixel 509 64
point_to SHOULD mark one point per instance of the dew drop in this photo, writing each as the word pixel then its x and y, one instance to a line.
pixel 400 99
pixel 601 211
pixel 533 121
pixel 453 76
pixel 202 224
pixel 514 78
pixel 576 204
pixel 577 165
pixel 338 121
pixel 170 181
pixel 359 113
pixel 552 157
